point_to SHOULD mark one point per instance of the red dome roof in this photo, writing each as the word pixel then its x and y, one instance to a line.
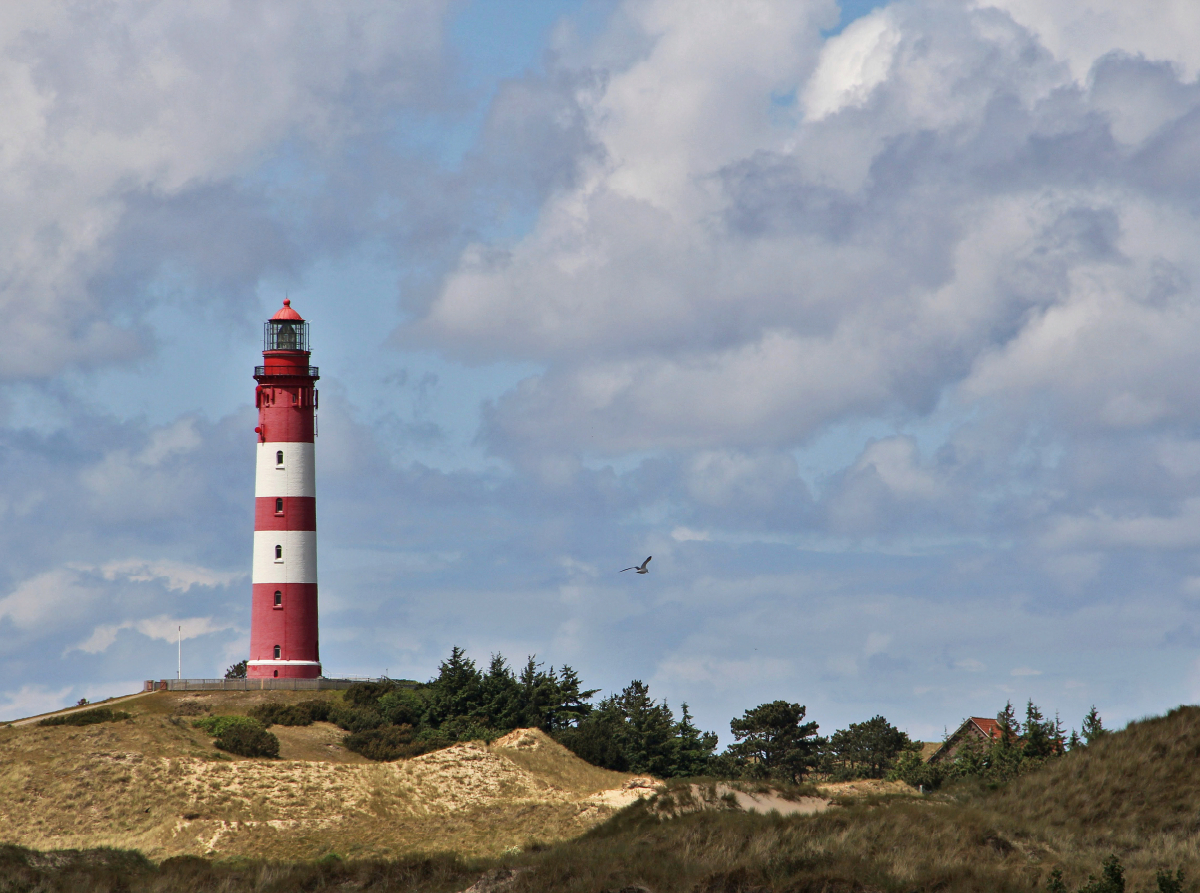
pixel 286 312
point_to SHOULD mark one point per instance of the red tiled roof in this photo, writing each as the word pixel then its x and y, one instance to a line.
pixel 987 725
pixel 286 312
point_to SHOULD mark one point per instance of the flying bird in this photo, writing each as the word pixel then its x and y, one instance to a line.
pixel 640 568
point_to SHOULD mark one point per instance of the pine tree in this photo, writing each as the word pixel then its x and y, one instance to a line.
pixel 648 730
pixel 499 695
pixel 1093 726
pixel 1010 727
pixel 692 749
pixel 773 742
pixel 1038 733
pixel 456 689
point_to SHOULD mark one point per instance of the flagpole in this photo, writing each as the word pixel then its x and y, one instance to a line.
pixel 179 643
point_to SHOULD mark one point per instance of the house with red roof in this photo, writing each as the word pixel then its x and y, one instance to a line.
pixel 984 729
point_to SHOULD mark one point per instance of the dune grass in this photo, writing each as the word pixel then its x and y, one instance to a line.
pixel 1132 794
pixel 539 754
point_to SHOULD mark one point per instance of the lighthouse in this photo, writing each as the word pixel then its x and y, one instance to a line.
pixel 283 618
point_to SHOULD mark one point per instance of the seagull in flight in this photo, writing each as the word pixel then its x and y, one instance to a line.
pixel 640 568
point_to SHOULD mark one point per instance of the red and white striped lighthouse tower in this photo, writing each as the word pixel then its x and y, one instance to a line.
pixel 283 619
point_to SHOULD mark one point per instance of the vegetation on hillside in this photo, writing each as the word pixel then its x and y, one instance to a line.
pixel 628 731
pixel 1113 815
pixel 86 717
pixel 241 735
pixel 1017 749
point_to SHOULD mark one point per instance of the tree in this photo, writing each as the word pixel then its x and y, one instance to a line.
pixel 631 732
pixel 913 770
pixel 237 671
pixel 1010 726
pixel 598 738
pixel 1040 734
pixel 500 696
pixel 456 690
pixel 867 749
pixel 772 742
pixel 648 730
pixel 571 705
pixel 1093 726
pixel 692 749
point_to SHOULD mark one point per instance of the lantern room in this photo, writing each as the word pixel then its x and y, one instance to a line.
pixel 286 330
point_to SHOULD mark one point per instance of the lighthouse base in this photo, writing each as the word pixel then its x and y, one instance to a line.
pixel 283 669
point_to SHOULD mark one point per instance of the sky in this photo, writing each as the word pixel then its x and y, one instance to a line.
pixel 876 325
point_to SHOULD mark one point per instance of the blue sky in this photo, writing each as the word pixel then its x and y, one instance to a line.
pixel 873 324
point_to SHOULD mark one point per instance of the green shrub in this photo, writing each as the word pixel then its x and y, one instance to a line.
pixel 356 719
pixel 86 717
pixel 366 694
pixel 390 743
pixel 304 714
pixel 218 725
pixel 910 768
pixel 248 740
pixel 403 706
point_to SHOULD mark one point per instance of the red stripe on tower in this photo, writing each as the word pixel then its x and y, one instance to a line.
pixel 283 614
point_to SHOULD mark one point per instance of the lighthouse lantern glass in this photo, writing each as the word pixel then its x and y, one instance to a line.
pixel 285 334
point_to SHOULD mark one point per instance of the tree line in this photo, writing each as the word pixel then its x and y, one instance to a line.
pixel 631 731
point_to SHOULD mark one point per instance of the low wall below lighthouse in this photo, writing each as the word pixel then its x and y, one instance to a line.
pixel 284 640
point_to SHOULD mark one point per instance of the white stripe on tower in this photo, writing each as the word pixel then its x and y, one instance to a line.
pixel 294 476
pixel 296 561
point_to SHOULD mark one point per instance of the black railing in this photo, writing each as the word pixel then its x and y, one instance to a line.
pixel 313 372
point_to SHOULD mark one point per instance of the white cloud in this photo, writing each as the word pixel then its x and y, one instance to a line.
pixel 1081 31
pixel 105 103
pixel 31 700
pixel 852 64
pixel 163 628
pixel 47 598
pixel 178 576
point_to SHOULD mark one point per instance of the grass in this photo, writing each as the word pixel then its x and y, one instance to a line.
pixel 116 871
pixel 542 756
pixel 156 784
pixel 1132 794
pixel 86 717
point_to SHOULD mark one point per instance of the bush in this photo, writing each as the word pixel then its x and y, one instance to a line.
pixel 913 770
pixel 391 743
pixel 304 714
pixel 366 694
pixel 87 717
pixel 248 740
pixel 218 725
pixel 356 719
pixel 402 706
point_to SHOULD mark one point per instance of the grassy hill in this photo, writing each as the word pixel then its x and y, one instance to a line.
pixel 155 783
pixel 1132 794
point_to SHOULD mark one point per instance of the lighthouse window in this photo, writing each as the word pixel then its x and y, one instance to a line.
pixel 279 505
pixel 279 553
pixel 278 652
pixel 279 457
